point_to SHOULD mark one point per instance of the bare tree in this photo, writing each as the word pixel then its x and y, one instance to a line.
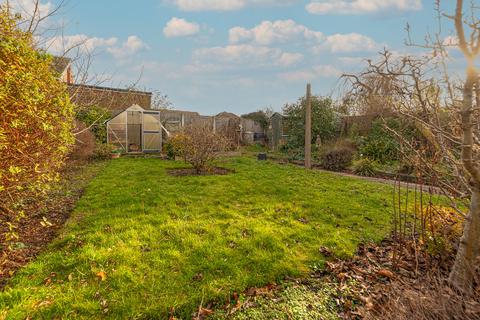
pixel 160 101
pixel 446 111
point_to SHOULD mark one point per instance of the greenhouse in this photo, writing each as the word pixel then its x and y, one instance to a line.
pixel 136 130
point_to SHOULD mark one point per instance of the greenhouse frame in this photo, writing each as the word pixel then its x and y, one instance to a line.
pixel 135 130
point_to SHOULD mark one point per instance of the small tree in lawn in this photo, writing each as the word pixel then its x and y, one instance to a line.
pixel 198 145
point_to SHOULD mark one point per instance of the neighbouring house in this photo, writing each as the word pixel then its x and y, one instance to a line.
pixel 63 67
pixel 83 95
pixel 113 99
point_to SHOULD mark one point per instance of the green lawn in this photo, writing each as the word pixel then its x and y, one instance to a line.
pixel 172 242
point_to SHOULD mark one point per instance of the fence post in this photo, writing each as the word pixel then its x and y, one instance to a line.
pixel 308 128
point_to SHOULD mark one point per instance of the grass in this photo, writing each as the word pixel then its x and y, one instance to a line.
pixel 142 243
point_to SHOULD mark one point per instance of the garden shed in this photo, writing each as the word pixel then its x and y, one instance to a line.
pixel 136 130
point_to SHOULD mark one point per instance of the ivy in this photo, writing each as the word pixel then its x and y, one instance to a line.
pixel 94 118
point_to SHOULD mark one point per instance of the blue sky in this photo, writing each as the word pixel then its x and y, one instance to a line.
pixel 236 55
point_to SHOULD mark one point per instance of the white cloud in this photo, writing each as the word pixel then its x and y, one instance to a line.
pixel 214 5
pixel 128 48
pixel 269 32
pixel 224 5
pixel 351 61
pixel 180 28
pixel 351 42
pixel 203 68
pixel 361 6
pixel 319 71
pixel 84 44
pixel 61 44
pixel 288 59
pixel 27 7
pixel 249 55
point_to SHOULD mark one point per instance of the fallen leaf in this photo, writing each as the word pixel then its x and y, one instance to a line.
pixel 43 304
pixel 386 273
pixel 341 275
pixel 204 312
pixel 102 275
pixel 325 251
pixel 368 301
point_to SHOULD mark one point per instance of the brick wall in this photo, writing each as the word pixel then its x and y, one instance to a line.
pixel 110 98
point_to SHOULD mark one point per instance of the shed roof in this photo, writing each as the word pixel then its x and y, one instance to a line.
pixel 226 115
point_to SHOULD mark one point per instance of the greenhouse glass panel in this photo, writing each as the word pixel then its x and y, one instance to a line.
pixel 134 131
pixel 117 135
pixel 117 131
pixel 153 141
pixel 151 122
pixel 119 119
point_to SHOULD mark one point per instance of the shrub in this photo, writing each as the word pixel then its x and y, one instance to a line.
pixel 364 167
pixel 443 228
pixel 380 144
pixel 103 151
pixel 296 154
pixel 36 119
pixel 325 123
pixel 198 145
pixel 337 159
pixel 169 150
pixel 94 117
pixel 405 168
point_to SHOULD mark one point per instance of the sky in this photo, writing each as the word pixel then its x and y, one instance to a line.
pixel 234 55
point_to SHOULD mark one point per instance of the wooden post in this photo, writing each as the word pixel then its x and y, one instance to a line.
pixel 308 128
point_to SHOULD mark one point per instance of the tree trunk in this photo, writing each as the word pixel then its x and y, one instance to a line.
pixel 462 274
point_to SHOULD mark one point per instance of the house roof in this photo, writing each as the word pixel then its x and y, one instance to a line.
pixel 59 64
pixel 100 88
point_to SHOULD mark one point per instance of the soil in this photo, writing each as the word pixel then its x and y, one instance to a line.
pixel 44 219
pixel 183 172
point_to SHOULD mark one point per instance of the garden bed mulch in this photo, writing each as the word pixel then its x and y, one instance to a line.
pixel 391 280
pixel 183 172
pixel 43 219
pixel 399 280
